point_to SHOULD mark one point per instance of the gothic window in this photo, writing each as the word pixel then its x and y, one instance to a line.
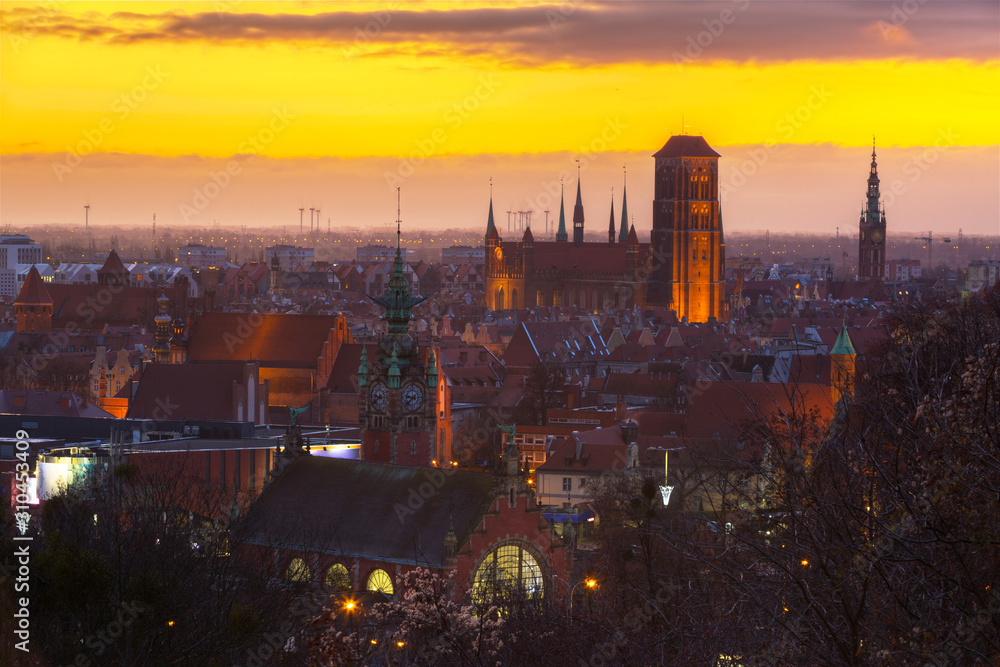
pixel 338 578
pixel 413 446
pixel 508 570
pixel 297 571
pixel 380 581
pixel 539 299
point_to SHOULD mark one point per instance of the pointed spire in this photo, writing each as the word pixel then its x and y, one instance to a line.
pixel 578 210
pixel 490 225
pixel 611 225
pixel 561 234
pixel 843 344
pixel 623 230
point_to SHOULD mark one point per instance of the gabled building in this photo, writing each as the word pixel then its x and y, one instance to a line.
pixel 360 526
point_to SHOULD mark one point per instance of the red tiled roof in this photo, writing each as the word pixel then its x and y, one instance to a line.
pixel 683 145
pixel 587 258
pixel 186 391
pixel 49 404
pixel 33 291
pixel 344 374
pixel 279 340
pixel 723 407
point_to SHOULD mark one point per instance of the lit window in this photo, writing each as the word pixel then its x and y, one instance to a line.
pixel 510 569
pixel 380 581
pixel 297 571
pixel 338 578
pixel 567 483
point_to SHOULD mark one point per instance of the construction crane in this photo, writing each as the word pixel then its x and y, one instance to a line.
pixel 929 239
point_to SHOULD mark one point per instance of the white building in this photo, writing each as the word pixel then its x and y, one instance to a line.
pixel 982 273
pixel 202 257
pixel 378 253
pixel 290 258
pixel 18 254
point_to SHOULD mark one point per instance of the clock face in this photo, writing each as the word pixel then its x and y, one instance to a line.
pixel 380 397
pixel 413 397
pixel 877 236
pixel 498 253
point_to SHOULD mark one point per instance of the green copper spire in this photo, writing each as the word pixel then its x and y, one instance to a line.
pixel 561 234
pixel 843 344
pixel 623 230
pixel 397 301
pixel 363 367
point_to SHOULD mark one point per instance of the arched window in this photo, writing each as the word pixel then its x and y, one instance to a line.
pixel 509 570
pixel 513 299
pixel 380 581
pixel 500 305
pixel 557 299
pixel 298 571
pixel 539 299
pixel 338 578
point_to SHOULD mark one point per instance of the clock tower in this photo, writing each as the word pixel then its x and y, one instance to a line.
pixel 871 233
pixel 398 384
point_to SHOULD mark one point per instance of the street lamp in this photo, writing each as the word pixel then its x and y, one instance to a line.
pixel 589 582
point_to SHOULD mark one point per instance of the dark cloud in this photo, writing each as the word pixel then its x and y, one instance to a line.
pixel 739 30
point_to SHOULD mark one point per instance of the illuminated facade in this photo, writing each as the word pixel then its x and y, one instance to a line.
pixel 687 240
pixel 398 387
pixel 681 268
pixel 871 232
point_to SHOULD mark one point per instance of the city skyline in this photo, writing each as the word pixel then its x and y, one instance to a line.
pixel 219 113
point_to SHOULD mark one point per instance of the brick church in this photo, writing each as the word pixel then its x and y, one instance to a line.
pixel 681 268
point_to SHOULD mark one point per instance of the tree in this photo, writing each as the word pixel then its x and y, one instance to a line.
pixel 543 389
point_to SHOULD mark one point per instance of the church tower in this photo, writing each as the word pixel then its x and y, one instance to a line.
pixel 578 213
pixel 397 384
pixel 561 232
pixel 623 230
pixel 871 233
pixel 33 306
pixel 688 270
pixel 842 366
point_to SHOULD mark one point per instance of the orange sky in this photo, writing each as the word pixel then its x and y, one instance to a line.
pixel 138 108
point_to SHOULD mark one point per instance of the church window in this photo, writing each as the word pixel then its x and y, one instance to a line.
pixel 297 571
pixel 338 578
pixel 508 570
pixel 379 581
pixel 413 446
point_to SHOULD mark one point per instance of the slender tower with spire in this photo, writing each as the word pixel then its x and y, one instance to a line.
pixel 871 232
pixel 561 233
pixel 578 212
pixel 623 230
pixel 611 225
pixel 397 396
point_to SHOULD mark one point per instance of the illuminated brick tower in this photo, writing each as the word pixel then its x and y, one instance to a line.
pixel 397 387
pixel 871 236
pixel 688 263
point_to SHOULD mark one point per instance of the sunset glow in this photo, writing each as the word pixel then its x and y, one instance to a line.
pixel 433 81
